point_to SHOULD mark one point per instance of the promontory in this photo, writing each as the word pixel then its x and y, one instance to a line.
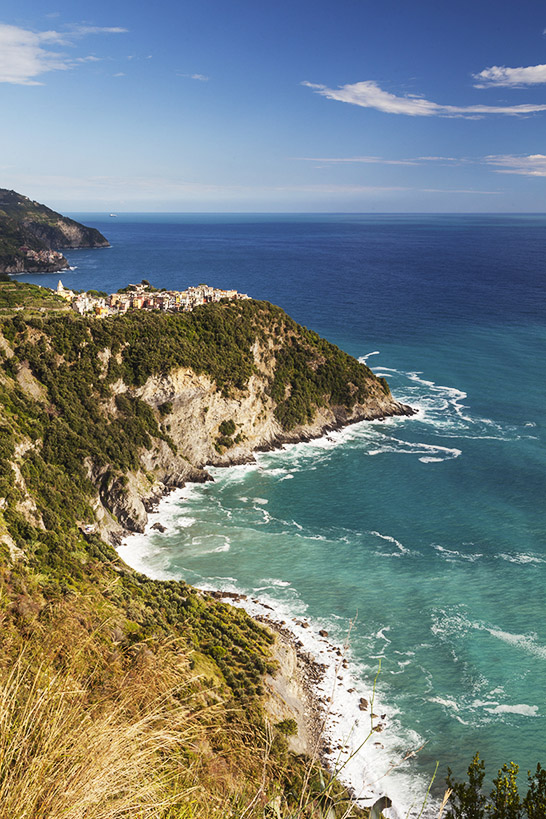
pixel 32 235
pixel 123 695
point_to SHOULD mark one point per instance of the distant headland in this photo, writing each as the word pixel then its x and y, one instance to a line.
pixel 32 236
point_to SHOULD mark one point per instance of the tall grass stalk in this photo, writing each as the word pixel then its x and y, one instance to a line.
pixel 63 756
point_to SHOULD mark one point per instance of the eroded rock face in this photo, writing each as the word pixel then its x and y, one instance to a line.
pixel 197 410
pixel 194 423
pixel 31 235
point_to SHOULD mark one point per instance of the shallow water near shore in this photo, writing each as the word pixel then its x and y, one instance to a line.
pixel 424 537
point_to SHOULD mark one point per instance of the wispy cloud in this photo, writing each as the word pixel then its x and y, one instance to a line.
pixel 25 55
pixel 532 165
pixel 111 189
pixel 366 160
pixel 368 94
pixel 500 75
pixel 200 77
pixel 83 30
pixel 379 160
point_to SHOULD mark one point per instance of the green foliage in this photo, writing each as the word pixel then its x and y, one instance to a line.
pixel 312 373
pixel 98 294
pixel 78 436
pixel 224 440
pixel 227 427
pixel 15 294
pixel 288 727
pixel 24 223
pixel 534 802
pixel 505 801
pixel 468 800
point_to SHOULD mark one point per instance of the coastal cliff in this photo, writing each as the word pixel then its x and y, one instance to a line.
pixel 98 419
pixel 148 401
pixel 31 235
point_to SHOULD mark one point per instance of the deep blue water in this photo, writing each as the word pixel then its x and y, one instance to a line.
pixel 430 530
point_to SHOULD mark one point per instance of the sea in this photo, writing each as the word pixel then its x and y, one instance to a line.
pixel 417 543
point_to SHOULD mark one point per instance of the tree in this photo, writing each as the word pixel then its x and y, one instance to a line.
pixel 468 802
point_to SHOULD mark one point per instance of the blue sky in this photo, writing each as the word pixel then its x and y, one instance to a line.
pixel 232 105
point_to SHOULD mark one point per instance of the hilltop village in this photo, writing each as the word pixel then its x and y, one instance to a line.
pixel 144 297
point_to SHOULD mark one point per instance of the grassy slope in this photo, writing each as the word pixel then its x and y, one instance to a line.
pixel 161 676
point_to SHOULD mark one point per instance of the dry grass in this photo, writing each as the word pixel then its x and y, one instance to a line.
pixel 62 755
pixel 89 730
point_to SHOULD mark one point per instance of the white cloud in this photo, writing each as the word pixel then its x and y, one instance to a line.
pixel 368 94
pixel 25 54
pixel 500 75
pixel 379 160
pixel 83 30
pixel 367 160
pixel 532 165
pixel 200 77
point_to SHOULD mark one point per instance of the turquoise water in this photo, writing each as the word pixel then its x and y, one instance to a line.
pixel 428 533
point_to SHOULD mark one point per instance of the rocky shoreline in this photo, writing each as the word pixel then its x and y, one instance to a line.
pixel 333 717
pixel 121 501
pixel 301 683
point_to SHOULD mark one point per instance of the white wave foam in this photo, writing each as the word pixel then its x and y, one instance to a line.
pixel 361 763
pixel 453 554
pixel 225 547
pixel 364 358
pixel 446 703
pixel 395 445
pixel 524 710
pixel 262 501
pixel 527 642
pixel 185 523
pixel 390 539
pixel 274 581
pixel 521 559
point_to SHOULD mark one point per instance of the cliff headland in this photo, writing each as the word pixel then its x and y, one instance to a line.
pixel 31 235
pixel 98 419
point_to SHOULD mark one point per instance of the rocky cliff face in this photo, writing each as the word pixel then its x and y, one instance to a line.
pixel 122 411
pixel 31 233
pixel 43 261
pixel 197 411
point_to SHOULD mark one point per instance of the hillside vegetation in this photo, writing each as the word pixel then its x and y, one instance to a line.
pixel 30 225
pixel 122 696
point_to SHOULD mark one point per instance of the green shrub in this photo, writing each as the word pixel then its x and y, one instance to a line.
pixel 288 727
pixel 227 428
pixel 468 800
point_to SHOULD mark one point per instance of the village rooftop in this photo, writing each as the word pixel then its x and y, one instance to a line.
pixel 144 297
